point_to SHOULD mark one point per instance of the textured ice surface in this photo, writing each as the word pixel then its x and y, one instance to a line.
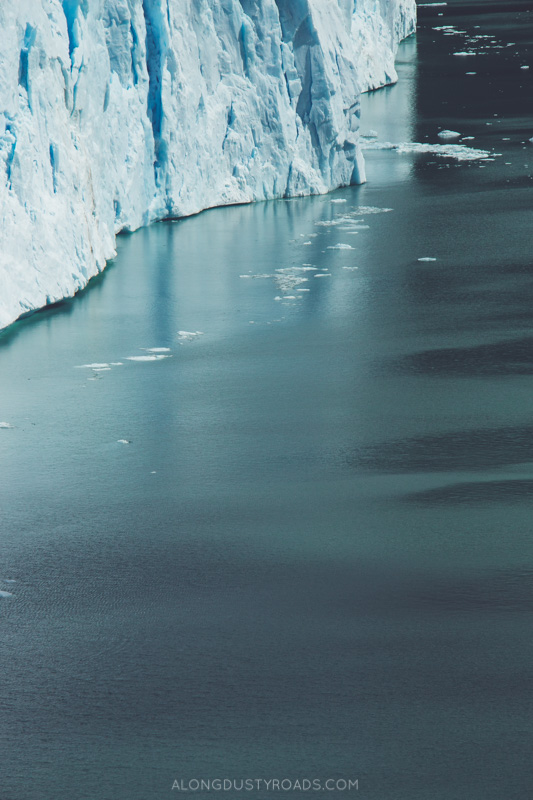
pixel 115 113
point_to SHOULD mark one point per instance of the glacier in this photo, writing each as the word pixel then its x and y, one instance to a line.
pixel 118 113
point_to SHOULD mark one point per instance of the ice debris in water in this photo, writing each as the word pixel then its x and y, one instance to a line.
pixel 448 135
pixel 337 200
pixel 5 594
pixel 188 336
pixel 427 258
pixel 458 151
pixel 123 441
pixel 364 210
pixel 5 425
pixel 93 366
pixel 157 349
pixel 152 357
pixel 340 246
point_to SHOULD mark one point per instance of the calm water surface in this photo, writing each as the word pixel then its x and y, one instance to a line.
pixel 313 557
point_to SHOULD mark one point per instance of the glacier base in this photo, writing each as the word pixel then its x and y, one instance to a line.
pixel 118 113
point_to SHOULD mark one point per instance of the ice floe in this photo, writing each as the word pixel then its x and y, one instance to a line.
pixel 157 349
pixel 93 366
pixel 151 357
pixel 457 151
pixel 449 135
pixel 189 336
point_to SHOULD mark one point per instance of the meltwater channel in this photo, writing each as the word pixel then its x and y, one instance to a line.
pixel 283 530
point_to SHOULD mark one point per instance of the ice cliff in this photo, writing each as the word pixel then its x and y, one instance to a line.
pixel 116 113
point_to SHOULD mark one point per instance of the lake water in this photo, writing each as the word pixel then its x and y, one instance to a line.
pixel 311 556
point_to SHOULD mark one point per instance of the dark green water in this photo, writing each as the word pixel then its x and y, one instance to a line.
pixel 313 559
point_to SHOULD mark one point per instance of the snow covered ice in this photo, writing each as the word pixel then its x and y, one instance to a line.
pixel 116 113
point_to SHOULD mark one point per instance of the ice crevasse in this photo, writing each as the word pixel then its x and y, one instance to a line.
pixel 117 113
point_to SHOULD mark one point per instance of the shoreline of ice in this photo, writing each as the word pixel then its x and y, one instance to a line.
pixel 222 107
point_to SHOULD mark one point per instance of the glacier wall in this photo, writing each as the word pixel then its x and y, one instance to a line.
pixel 117 113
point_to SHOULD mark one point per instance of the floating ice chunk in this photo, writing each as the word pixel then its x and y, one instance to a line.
pixel 340 246
pixel 470 73
pixel 5 425
pixel 188 336
pixel 5 594
pixel 531 140
pixel 364 210
pixel 305 244
pixel 338 200
pixel 465 53
pixel 116 364
pixel 332 223
pixel 457 151
pixel 351 268
pixel 526 66
pixel 449 135
pixel 427 258
pixel 152 357
pixel 123 441
pixel 323 275
pixel 92 366
pixel 157 349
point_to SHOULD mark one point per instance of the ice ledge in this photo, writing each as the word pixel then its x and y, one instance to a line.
pixel 117 113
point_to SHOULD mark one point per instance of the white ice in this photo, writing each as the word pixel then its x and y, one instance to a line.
pixel 116 113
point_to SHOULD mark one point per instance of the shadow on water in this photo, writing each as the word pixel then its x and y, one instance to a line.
pixel 479 449
pixel 475 492
pixel 514 357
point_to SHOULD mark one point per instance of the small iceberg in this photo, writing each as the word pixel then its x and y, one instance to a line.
pixel 5 594
pixel 188 336
pixel 448 135
pixel 93 366
pixel 123 441
pixel 5 425
pixel 152 357
pixel 427 258
pixel 157 349
pixel 340 246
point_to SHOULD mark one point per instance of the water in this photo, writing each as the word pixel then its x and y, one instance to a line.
pixel 311 554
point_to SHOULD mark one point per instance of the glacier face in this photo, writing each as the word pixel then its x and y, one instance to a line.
pixel 116 113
